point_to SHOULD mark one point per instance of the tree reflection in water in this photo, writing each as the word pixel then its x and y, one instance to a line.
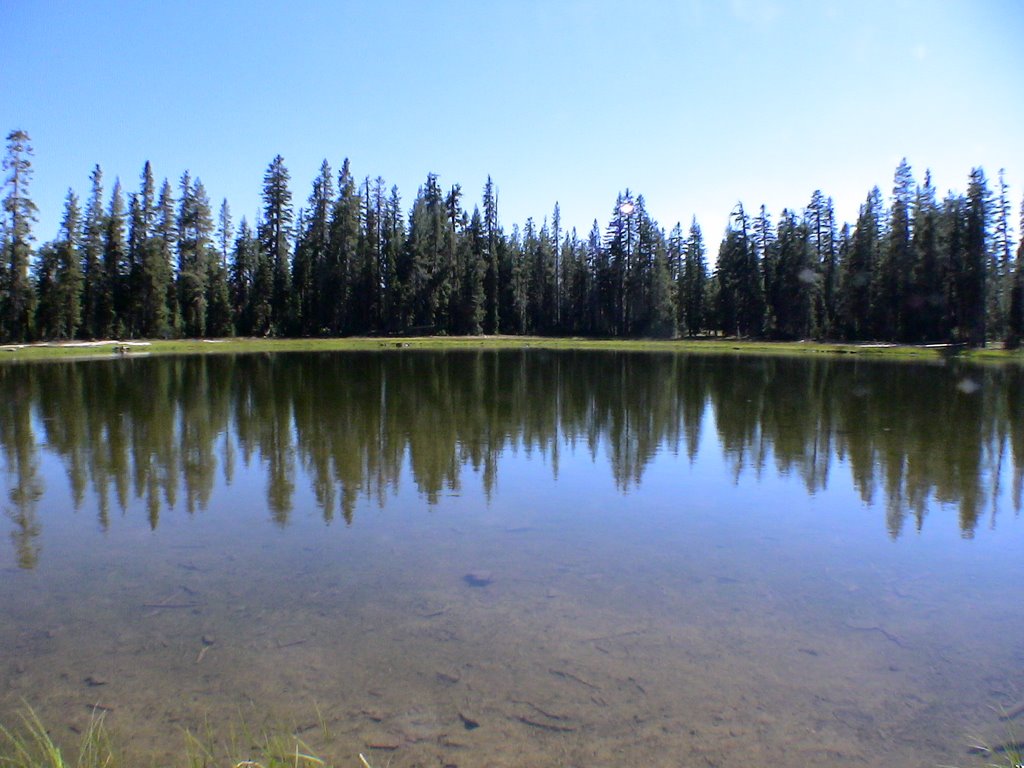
pixel 156 429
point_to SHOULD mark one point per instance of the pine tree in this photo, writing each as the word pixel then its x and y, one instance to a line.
pixel 857 274
pixel 141 209
pixel 971 284
pixel 952 221
pixel 513 282
pixel 693 282
pixel 17 310
pixel 741 304
pixel 366 279
pixel 311 251
pixel 661 293
pixel 47 319
pixel 896 261
pixel 162 316
pixel 927 310
pixel 275 233
pixel 819 218
pixel 796 280
pixel 380 266
pixel 576 286
pixel 391 254
pixel 219 316
pixel 1015 313
pixel 242 279
pixel 492 233
pixel 224 231
pixel 69 272
pixel 621 236
pixel 422 266
pixel 603 305
pixel 92 255
pixel 556 245
pixel 335 282
pixel 112 291
pixel 471 250
pixel 766 250
pixel 540 290
pixel 1000 268
pixel 195 251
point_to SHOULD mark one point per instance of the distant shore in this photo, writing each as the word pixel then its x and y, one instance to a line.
pixel 116 348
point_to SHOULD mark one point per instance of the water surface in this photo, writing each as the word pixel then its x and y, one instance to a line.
pixel 518 558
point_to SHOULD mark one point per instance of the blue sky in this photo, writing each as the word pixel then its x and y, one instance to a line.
pixel 696 104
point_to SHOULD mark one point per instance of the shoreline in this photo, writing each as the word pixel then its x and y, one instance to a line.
pixel 113 348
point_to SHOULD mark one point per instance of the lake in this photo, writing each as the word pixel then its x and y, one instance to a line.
pixel 518 557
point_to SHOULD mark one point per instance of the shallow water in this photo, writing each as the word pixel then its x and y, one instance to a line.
pixel 518 558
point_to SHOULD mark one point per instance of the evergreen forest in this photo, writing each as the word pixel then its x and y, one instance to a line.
pixel 160 261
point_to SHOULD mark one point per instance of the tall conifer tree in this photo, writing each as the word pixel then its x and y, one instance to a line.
pixel 17 297
pixel 275 234
pixel 92 256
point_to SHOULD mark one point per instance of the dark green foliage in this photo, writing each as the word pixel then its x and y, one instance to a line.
pixel 693 279
pixel 492 269
pixel 393 232
pixel 17 297
pixel 47 319
pixel 740 302
pixel 577 286
pixel 335 275
pixel 857 273
pixel 195 254
pixel 423 270
pixel 819 219
pixel 471 261
pixel 164 319
pixel 311 254
pixel 242 278
pixel 141 214
pixel 971 277
pixel 540 287
pixel 111 296
pixel 895 262
pixel 275 234
pixel 794 280
pixel 364 306
pixel 1000 264
pixel 660 318
pixel 92 254
pixel 353 262
pixel 512 279
pixel 1015 310
pixel 926 299
pixel 59 278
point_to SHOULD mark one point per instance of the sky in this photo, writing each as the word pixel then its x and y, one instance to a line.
pixel 695 104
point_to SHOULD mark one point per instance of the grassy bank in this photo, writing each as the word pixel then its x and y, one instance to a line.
pixel 108 349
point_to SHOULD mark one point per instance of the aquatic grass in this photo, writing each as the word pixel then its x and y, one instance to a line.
pixel 1008 753
pixel 245 749
pixel 32 746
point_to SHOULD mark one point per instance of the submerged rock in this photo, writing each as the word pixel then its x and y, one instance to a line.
pixel 478 578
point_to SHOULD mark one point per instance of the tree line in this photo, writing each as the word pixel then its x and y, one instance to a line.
pixel 159 263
